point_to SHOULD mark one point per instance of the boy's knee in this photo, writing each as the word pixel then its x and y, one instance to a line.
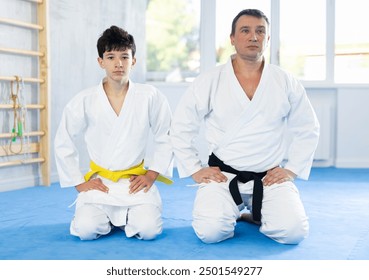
pixel 84 229
pixel 87 228
pixel 145 228
pixel 149 233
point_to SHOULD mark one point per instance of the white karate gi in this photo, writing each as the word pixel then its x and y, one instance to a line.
pixel 248 136
pixel 115 143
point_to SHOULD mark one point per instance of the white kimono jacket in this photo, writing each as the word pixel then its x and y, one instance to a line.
pixel 114 142
pixel 247 135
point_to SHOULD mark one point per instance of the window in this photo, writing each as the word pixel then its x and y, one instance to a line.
pixel 303 38
pixel 172 34
pixel 315 40
pixel 351 42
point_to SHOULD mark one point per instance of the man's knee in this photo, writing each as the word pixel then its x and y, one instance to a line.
pixel 213 231
pixel 288 233
pixel 283 215
pixel 296 233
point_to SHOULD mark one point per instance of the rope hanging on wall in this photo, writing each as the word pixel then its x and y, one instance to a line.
pixel 19 115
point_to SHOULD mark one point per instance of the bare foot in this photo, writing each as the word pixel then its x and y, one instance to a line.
pixel 247 217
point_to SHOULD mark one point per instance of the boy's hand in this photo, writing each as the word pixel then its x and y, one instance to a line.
pixel 142 181
pixel 94 184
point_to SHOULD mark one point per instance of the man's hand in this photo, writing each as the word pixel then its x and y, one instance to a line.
pixel 142 181
pixel 94 184
pixel 278 175
pixel 207 174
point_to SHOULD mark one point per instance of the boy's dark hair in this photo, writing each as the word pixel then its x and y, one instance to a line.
pixel 115 39
pixel 248 12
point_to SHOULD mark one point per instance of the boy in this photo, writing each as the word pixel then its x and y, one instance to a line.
pixel 115 117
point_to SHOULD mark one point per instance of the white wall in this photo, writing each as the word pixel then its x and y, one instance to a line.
pixel 352 127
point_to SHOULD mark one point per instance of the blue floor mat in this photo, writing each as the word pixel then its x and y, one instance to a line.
pixel 34 225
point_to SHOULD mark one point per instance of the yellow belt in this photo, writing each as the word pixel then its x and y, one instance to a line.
pixel 119 174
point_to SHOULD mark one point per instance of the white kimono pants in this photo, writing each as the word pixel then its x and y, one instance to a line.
pixel 283 217
pixel 96 212
pixel 142 221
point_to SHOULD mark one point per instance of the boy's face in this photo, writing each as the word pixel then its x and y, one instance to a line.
pixel 117 64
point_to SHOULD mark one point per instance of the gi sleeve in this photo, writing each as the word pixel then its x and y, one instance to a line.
pixel 304 127
pixel 187 120
pixel 66 154
pixel 160 120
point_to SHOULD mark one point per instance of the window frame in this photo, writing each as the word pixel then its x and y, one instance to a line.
pixel 208 35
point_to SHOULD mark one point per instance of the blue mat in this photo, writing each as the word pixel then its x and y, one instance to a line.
pixel 34 225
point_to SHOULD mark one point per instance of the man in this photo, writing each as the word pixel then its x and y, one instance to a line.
pixel 115 118
pixel 247 106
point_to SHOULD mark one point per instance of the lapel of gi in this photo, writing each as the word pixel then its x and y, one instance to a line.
pixel 251 109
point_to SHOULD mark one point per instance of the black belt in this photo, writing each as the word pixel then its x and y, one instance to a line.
pixel 244 177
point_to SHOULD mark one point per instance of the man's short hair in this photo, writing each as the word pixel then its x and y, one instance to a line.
pixel 248 12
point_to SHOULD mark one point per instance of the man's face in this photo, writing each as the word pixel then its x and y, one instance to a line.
pixel 251 37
